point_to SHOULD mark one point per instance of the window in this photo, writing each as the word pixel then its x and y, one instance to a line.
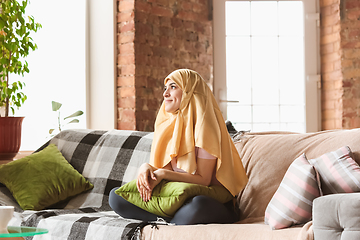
pixel 266 46
pixel 74 65
pixel 57 69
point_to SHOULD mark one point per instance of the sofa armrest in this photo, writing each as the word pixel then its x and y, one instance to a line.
pixel 336 217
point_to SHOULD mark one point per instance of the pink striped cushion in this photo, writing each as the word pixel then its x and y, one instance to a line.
pixel 292 202
pixel 338 171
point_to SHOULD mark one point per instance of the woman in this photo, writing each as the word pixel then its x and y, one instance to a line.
pixel 191 144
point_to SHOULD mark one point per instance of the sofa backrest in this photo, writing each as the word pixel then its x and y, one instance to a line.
pixel 107 159
pixel 266 157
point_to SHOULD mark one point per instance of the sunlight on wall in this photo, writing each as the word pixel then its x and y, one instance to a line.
pixel 57 69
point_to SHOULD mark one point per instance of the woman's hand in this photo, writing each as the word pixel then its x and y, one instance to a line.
pixel 152 183
pixel 145 179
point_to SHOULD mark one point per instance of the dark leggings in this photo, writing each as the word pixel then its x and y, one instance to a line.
pixel 198 210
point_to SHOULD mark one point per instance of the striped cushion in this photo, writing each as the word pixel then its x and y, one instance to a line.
pixel 338 171
pixel 292 202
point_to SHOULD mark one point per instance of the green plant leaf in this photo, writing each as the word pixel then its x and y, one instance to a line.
pixel 75 114
pixel 2 23
pixel 55 105
pixel 4 61
pixel 51 131
pixel 74 121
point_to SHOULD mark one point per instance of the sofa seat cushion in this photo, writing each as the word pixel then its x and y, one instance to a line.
pixel 337 217
pixel 42 179
pixel 251 231
pixel 267 156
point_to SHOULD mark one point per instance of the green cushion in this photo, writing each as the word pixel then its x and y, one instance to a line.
pixel 167 197
pixel 42 179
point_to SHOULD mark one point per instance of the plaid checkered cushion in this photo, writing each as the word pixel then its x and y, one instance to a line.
pixel 107 159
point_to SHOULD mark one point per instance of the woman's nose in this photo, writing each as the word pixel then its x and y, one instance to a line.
pixel 166 93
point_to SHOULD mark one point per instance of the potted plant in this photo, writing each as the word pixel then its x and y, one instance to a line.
pixel 60 121
pixel 15 45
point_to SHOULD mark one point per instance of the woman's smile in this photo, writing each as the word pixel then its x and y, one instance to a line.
pixel 172 96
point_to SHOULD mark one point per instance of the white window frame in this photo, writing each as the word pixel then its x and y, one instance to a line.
pixel 312 61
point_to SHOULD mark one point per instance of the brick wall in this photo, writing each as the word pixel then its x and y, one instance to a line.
pixel 340 62
pixel 126 65
pixel 350 43
pixel 330 51
pixel 156 37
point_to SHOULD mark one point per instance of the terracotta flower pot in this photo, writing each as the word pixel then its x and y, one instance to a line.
pixel 10 136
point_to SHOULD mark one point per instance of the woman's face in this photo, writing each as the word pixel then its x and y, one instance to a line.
pixel 172 96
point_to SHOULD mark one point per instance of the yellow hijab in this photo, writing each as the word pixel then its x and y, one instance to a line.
pixel 198 122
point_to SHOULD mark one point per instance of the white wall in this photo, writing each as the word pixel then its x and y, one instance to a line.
pixel 101 64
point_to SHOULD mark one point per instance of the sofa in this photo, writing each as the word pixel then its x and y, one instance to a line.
pixel 110 159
